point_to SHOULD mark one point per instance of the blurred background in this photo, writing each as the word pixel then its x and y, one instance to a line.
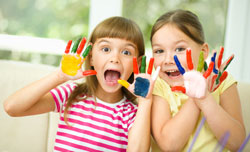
pixel 37 31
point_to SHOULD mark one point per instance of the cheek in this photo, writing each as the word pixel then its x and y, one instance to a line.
pixel 158 60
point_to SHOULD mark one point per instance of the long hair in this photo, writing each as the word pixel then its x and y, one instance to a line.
pixel 114 27
pixel 184 20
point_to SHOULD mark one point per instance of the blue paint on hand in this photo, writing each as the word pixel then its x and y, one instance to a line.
pixel 141 87
pixel 177 62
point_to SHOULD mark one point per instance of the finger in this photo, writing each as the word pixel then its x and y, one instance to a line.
pixel 205 66
pixel 228 62
pixel 89 72
pixel 75 46
pixel 223 76
pixel 177 62
pixel 220 57
pixel 86 52
pixel 135 66
pixel 189 59
pixel 201 62
pixel 209 70
pixel 156 73
pixel 213 80
pixel 178 88
pixel 81 46
pixel 68 47
pixel 221 79
pixel 213 60
pixel 218 78
pixel 143 65
pixel 124 83
pixel 150 66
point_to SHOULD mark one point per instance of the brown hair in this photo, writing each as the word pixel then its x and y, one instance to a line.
pixel 184 20
pixel 114 27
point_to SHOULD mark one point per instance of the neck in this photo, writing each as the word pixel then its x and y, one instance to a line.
pixel 109 97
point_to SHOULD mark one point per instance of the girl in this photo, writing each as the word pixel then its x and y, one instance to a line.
pixel 97 115
pixel 175 116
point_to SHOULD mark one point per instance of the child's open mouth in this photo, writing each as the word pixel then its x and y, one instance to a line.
pixel 173 73
pixel 111 77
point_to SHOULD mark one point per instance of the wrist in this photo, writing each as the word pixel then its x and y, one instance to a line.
pixel 204 102
pixel 60 76
pixel 144 101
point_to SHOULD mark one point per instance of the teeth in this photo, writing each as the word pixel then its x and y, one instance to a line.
pixel 172 71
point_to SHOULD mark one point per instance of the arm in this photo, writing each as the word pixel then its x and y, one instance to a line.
pixel 228 112
pixel 139 134
pixel 34 98
pixel 172 133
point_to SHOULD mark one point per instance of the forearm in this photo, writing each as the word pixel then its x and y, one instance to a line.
pixel 176 132
pixel 139 134
pixel 221 122
pixel 28 96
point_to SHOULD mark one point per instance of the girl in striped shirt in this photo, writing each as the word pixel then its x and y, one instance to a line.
pixel 97 114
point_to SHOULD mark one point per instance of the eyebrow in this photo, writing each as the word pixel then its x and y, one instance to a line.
pixel 127 44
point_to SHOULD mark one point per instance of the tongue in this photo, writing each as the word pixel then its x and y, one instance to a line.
pixel 177 73
pixel 112 76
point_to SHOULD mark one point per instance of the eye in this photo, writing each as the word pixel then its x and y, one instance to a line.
pixel 106 49
pixel 126 52
pixel 180 49
pixel 158 51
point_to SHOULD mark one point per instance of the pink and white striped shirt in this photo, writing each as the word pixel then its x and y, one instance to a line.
pixel 94 126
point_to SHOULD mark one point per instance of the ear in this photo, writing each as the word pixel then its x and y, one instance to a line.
pixel 139 62
pixel 205 50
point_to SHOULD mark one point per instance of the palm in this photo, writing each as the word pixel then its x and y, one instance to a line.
pixel 72 61
pixel 197 84
pixel 142 85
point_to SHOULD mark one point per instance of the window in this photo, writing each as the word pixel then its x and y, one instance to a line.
pixel 212 15
pixel 40 28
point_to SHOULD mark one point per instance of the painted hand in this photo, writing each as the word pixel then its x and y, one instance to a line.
pixel 143 83
pixel 197 84
pixel 219 71
pixel 194 81
pixel 72 61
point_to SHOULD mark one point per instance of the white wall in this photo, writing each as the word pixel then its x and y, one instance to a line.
pixel 237 39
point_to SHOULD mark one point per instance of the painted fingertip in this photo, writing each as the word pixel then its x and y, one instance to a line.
pixel 89 72
pixel 181 69
pixel 150 66
pixel 178 88
pixel 220 57
pixel 189 59
pixel 81 46
pixel 143 65
pixel 201 62
pixel 135 66
pixel 75 46
pixel 68 47
pixel 123 83
pixel 87 50
pixel 156 73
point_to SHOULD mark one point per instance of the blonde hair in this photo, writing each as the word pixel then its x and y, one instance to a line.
pixel 114 27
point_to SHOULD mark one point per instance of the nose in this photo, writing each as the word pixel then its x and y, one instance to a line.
pixel 115 58
pixel 169 58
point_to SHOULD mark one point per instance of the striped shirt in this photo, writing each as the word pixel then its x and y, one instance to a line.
pixel 94 126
